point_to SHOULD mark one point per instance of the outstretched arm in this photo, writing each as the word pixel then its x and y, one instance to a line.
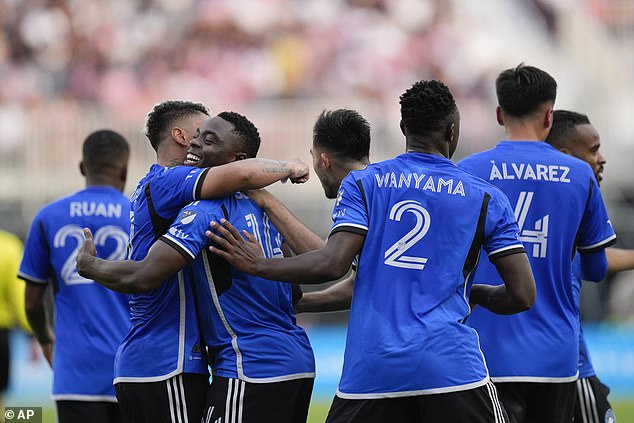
pixel 328 263
pixel 619 259
pixel 251 174
pixel 297 235
pixel 334 298
pixel 129 276
pixel 515 295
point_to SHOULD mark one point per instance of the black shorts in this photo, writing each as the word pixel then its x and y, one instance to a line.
pixel 537 402
pixel 479 405
pixel 166 401
pixel 230 400
pixel 88 411
pixel 5 358
pixel 592 405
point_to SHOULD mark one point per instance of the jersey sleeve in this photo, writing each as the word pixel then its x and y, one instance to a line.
pixel 501 232
pixel 35 266
pixel 595 232
pixel 177 187
pixel 187 233
pixel 350 213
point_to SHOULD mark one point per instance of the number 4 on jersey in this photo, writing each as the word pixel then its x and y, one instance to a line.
pixel 537 236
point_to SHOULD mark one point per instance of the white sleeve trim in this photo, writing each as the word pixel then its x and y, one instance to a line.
pixel 510 247
pixel 598 244
pixel 30 278
pixel 177 242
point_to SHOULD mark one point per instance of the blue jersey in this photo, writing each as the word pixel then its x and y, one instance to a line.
pixel 247 322
pixel 164 339
pixel 559 210
pixel 585 363
pixel 425 222
pixel 90 320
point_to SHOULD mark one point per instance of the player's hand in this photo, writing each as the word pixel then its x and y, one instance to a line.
pixel 85 253
pixel 300 171
pixel 229 244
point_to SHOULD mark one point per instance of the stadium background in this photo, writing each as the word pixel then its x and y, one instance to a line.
pixel 68 67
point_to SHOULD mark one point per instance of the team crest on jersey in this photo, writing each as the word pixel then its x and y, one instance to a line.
pixel 188 217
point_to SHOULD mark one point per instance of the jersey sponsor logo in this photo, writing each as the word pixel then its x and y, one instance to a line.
pixel 178 233
pixel 422 182
pixel 526 172
pixel 93 208
pixel 538 236
pixel 395 255
pixel 188 217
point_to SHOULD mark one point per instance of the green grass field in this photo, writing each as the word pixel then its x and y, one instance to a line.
pixel 318 410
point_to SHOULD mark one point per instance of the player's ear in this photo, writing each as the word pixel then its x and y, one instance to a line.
pixel 499 115
pixel 241 156
pixel 82 168
pixel 178 135
pixel 565 151
pixel 325 159
pixel 548 117
pixel 402 126
pixel 450 132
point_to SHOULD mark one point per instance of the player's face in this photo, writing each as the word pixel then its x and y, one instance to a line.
pixel 327 182
pixel 213 144
pixel 587 148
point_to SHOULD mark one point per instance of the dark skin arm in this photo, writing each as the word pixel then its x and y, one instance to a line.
pixel 328 263
pixel 129 276
pixel 251 174
pixel 332 261
pixel 517 294
pixel 36 315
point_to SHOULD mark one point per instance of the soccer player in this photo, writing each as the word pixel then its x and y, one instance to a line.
pixel 90 321
pixel 263 364
pixel 418 223
pixel 573 134
pixel 532 357
pixel 341 144
pixel 11 302
pixel 161 371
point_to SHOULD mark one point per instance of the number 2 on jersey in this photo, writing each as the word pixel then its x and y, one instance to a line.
pixel 395 255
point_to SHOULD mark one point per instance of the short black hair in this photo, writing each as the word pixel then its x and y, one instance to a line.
pixel 344 133
pixel 247 131
pixel 565 127
pixel 523 89
pixel 165 114
pixel 427 107
pixel 104 149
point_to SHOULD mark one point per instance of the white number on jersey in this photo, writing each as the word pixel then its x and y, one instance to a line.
pixel 264 237
pixel 69 270
pixel 395 255
pixel 537 236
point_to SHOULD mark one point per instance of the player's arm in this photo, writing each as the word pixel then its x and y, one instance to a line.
pixel 619 259
pixel 129 276
pixel 298 236
pixel 330 262
pixel 594 266
pixel 36 315
pixel 518 292
pixel 334 298
pixel 247 174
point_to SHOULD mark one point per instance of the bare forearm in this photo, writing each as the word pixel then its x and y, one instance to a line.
pixel 120 275
pixel 335 298
pixel 244 175
pixel 310 268
pixel 619 260
pixel 38 322
pixel 496 299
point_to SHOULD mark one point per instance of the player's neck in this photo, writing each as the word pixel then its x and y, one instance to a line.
pixel 523 132
pixel 170 155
